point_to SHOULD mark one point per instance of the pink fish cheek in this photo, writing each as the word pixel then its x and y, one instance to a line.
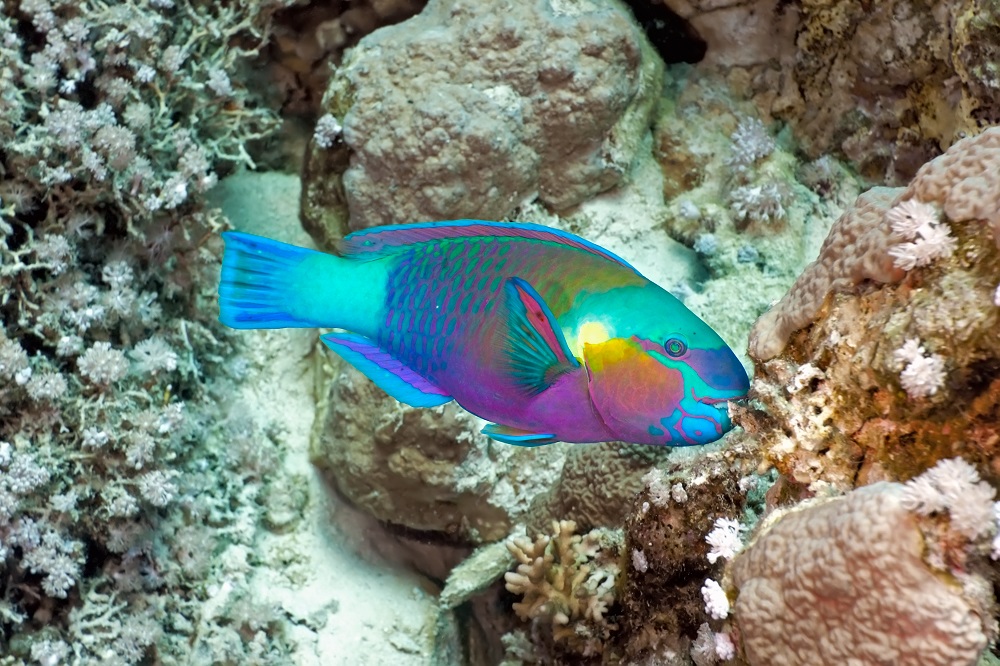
pixel 633 396
pixel 659 390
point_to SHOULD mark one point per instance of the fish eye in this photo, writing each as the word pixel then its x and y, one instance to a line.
pixel 675 347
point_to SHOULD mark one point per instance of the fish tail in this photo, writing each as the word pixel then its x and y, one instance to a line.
pixel 262 283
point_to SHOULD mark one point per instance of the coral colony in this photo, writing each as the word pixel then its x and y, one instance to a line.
pixel 817 182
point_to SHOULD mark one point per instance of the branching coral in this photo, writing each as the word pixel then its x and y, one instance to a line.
pixel 566 580
pixel 115 119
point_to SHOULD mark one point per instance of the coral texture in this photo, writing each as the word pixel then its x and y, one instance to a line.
pixel 964 181
pixel 856 249
pixel 667 541
pixel 740 199
pixel 887 84
pixel 427 469
pixel 115 119
pixel 489 106
pixel 887 382
pixel 844 581
pixel 566 581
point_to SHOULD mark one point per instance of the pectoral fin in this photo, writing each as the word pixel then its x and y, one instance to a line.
pixel 536 349
pixel 389 373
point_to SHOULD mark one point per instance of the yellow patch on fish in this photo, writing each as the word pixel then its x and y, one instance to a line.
pixel 587 333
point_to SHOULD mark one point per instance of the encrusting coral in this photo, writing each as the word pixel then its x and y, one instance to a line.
pixel 887 381
pixel 672 542
pixel 856 249
pixel 964 181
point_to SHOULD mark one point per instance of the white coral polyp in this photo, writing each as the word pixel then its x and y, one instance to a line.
pixel 923 374
pixel 929 238
pixel 953 485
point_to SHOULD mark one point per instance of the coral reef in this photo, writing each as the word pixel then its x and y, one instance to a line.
pixel 857 249
pixel 567 581
pixel 620 469
pixel 735 193
pixel 489 108
pixel 128 476
pixel 887 85
pixel 668 550
pixel 882 581
pixel 157 500
pixel 887 381
pixel 963 181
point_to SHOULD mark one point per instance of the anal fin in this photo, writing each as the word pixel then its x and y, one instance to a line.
pixel 516 436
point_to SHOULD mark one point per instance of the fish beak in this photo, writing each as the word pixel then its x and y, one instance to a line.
pixel 721 405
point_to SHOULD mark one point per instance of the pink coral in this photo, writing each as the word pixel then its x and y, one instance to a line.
pixel 964 181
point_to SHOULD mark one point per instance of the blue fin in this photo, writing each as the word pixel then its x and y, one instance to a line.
pixel 536 348
pixel 509 435
pixel 257 285
pixel 380 241
pixel 387 372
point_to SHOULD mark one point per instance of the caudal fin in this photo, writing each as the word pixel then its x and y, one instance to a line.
pixel 260 284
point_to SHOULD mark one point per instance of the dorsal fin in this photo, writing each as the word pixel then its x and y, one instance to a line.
pixel 380 241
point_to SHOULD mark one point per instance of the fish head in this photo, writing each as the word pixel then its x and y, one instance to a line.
pixel 668 383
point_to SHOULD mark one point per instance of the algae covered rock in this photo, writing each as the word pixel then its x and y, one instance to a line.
pixel 468 109
pixel 887 84
pixel 884 381
pixel 426 469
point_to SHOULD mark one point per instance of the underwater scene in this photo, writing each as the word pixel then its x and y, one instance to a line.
pixel 499 332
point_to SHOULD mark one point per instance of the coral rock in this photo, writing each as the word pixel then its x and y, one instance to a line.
pixel 844 581
pixel 468 109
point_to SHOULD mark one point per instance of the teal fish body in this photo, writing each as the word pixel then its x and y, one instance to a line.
pixel 550 337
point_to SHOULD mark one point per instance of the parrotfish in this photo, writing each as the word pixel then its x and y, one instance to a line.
pixel 548 336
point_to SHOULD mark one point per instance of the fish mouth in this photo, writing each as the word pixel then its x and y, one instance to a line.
pixel 721 406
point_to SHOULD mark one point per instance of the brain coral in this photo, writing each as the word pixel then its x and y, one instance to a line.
pixel 843 581
pixel 964 181
pixel 470 108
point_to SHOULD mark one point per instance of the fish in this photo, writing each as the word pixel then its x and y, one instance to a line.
pixel 545 335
